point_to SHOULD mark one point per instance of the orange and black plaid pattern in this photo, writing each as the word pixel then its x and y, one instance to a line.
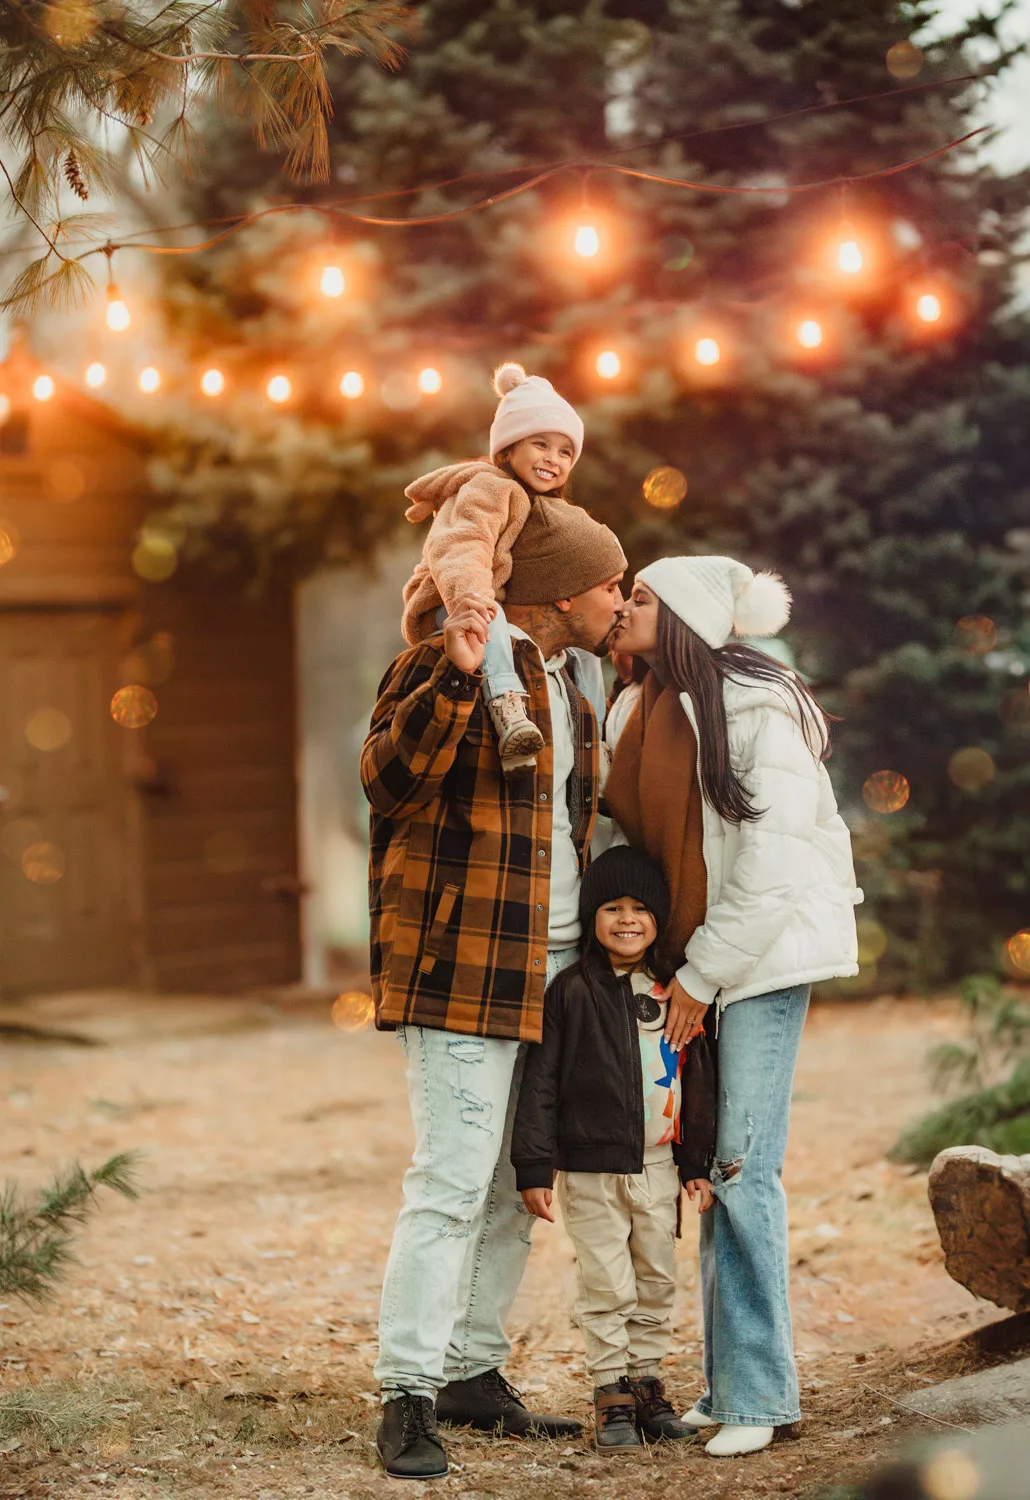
pixel 460 861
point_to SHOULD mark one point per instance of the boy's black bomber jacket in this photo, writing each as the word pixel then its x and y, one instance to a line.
pixel 581 1104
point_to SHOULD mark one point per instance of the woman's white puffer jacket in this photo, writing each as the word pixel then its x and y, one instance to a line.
pixel 781 890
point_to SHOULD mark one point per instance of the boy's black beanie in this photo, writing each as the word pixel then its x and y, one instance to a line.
pixel 623 871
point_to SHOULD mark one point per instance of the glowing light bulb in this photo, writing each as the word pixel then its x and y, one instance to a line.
pixel 849 257
pixel 707 352
pixel 608 365
pixel 810 334
pixel 352 385
pixel 587 242
pixel 149 380
pixel 279 389
pixel 212 382
pixel 95 376
pixel 430 381
pixel 43 387
pixel 118 315
pixel 928 308
pixel 333 283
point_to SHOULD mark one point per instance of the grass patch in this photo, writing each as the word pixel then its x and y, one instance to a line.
pixel 56 1413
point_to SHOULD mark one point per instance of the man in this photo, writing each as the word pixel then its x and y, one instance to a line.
pixel 474 890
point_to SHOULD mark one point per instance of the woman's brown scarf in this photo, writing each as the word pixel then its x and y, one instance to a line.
pixel 654 795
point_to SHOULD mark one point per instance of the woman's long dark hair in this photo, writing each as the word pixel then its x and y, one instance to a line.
pixel 687 663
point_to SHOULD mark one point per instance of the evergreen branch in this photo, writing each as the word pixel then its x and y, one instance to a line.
pixel 28 213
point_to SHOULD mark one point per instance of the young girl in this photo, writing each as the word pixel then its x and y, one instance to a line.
pixel 718 773
pixel 478 510
pixel 624 1117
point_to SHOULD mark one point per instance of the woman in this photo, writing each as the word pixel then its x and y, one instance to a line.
pixel 718 773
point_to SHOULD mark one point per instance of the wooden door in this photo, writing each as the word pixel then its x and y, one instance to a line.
pixel 66 860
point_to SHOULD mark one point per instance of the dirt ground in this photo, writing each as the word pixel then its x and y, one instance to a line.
pixel 217 1338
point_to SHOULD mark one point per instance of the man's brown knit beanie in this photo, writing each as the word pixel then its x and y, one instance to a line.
pixel 561 552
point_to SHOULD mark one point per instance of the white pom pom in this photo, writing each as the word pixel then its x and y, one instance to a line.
pixel 507 377
pixel 762 607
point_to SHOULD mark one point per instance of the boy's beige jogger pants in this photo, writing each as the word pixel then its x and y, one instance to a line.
pixel 624 1232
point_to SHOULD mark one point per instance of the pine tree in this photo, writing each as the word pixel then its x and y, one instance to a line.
pixel 883 472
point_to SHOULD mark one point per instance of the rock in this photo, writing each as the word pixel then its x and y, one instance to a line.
pixel 987 1399
pixel 981 1203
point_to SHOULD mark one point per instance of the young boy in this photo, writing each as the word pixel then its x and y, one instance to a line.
pixel 624 1119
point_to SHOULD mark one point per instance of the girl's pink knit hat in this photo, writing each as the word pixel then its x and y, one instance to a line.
pixel 530 404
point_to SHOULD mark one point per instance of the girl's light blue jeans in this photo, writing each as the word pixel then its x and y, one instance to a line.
pixel 462 1238
pixel 749 1349
pixel 500 676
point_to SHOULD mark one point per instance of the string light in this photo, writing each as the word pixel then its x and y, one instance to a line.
pixel 333 283
pixel 118 315
pixel 809 333
pixel 707 351
pixel 95 376
pixel 279 389
pixel 928 308
pixel 849 257
pixel 149 380
pixel 430 381
pixel 587 242
pixel 352 385
pixel 212 382
pixel 609 365
pixel 5 408
pixel 43 387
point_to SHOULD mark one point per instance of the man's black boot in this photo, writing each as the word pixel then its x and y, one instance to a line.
pixel 655 1416
pixel 408 1442
pixel 491 1404
pixel 615 1418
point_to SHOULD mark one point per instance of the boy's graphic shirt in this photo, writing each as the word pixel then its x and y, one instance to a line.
pixel 661 1064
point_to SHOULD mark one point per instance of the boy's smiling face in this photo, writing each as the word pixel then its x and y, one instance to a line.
pixel 625 929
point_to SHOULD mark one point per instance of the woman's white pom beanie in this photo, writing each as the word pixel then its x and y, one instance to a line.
pixel 718 597
pixel 530 404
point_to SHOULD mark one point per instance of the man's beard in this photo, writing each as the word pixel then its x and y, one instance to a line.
pixel 607 645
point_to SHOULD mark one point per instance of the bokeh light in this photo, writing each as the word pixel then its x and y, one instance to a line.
pixel 430 381
pixel 904 60
pixel 225 851
pixel 149 380
pixel 950 1475
pixel 665 487
pixel 8 543
pixel 333 283
pixel 587 241
pixel 5 408
pixel 155 557
pixel 928 307
pixel 810 333
pixel 134 706
pixel 95 375
pixel 352 385
pixel 1017 951
pixel 976 634
pixel 48 729
pixel 886 791
pixel 608 365
pixel 118 315
pixel 279 389
pixel 971 769
pixel 707 351
pixel 65 481
pixel 42 863
pixel 353 1011
pixel 849 257
pixel 43 387
pixel 212 382
pixel 872 941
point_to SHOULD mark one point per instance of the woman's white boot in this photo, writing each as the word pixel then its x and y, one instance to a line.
pixel 730 1441
pixel 695 1418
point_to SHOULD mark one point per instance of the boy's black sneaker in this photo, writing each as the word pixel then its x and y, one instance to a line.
pixel 615 1418
pixel 407 1440
pixel 655 1417
pixel 490 1404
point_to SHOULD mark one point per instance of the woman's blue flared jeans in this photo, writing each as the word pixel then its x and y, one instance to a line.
pixel 749 1351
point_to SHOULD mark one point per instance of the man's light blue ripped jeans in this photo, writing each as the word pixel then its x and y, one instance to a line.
pixel 462 1238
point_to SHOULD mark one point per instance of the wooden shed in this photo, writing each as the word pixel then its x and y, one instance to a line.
pixel 161 856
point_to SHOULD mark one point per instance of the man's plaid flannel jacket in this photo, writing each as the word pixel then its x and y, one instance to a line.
pixel 460 862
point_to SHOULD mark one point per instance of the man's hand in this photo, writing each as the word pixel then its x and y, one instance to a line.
pixel 701 1189
pixel 538 1202
pixel 686 1016
pixel 464 636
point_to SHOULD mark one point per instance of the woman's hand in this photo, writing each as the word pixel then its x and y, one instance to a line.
pixel 464 636
pixel 538 1202
pixel 686 1016
pixel 701 1189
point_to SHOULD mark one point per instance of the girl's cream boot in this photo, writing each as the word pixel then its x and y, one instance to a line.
pixel 518 737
